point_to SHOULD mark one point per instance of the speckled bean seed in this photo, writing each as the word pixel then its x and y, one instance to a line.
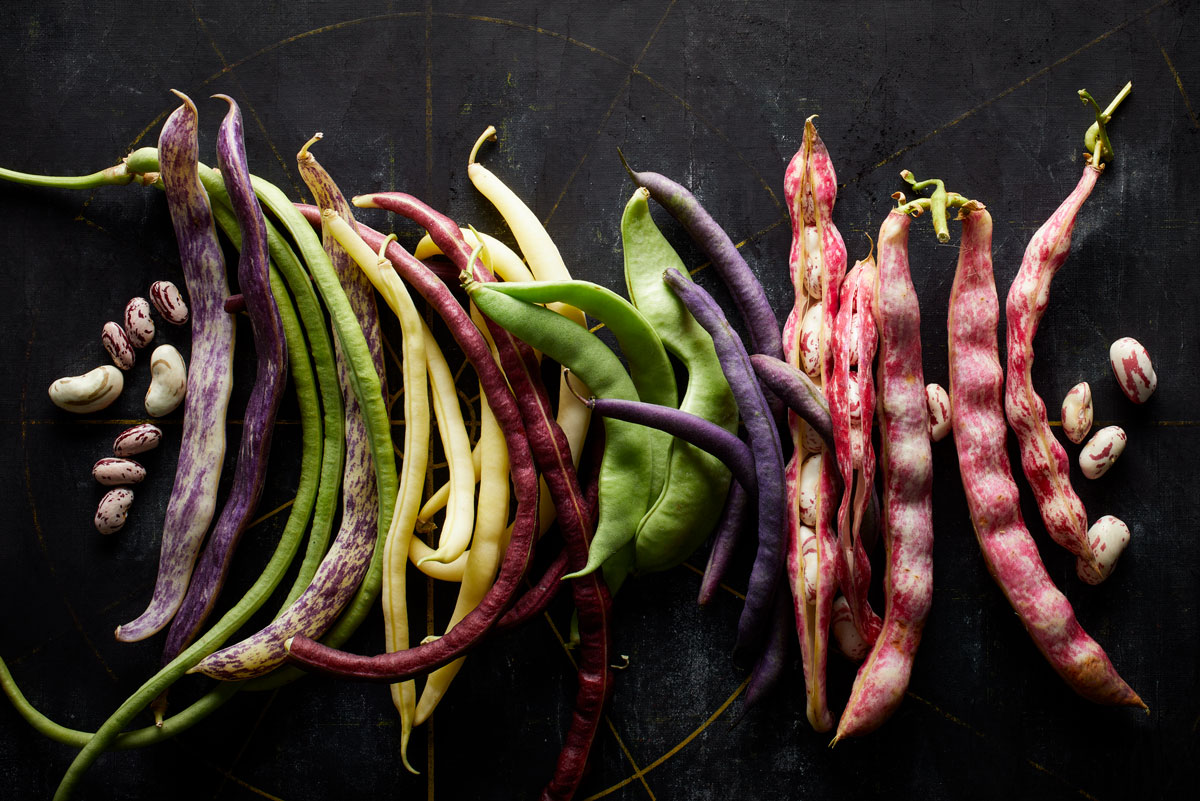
pixel 845 634
pixel 90 392
pixel 808 555
pixel 1101 451
pixel 1108 537
pixel 1131 365
pixel 166 298
pixel 810 341
pixel 811 441
pixel 1077 412
pixel 138 325
pixel 168 381
pixel 113 509
pixel 117 343
pixel 810 480
pixel 139 439
pixel 939 411
pixel 118 472
pixel 812 261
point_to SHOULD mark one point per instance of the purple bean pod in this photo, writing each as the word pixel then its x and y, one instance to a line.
pixel 737 276
pixel 263 404
pixel 210 378
pixel 705 435
pixel 771 662
pixel 725 540
pixel 797 391
pixel 763 436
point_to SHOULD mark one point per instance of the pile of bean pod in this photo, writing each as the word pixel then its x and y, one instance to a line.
pixel 776 435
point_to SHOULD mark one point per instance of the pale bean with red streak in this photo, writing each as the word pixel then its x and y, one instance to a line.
pixel 845 633
pixel 138 324
pixel 1101 451
pixel 1077 412
pixel 810 483
pixel 1108 537
pixel 118 472
pixel 117 343
pixel 90 392
pixel 1131 366
pixel 166 298
pixel 113 510
pixel 138 439
pixel 939 411
pixel 810 340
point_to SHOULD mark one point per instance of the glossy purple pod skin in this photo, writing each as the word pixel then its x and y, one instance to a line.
pixel 269 382
pixel 202 446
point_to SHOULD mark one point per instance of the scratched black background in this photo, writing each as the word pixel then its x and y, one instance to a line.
pixel 715 94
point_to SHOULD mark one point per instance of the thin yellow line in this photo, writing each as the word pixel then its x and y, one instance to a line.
pixel 429 98
pixel 677 748
pixel 971 112
pixel 723 586
pixel 272 513
pixel 1179 83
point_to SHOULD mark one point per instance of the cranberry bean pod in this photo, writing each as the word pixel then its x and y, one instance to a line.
pixel 1010 552
pixel 907 463
pixel 265 396
pixel 763 438
pixel 202 446
pixel 1043 459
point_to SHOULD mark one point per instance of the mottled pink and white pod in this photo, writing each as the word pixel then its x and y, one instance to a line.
pixel 139 439
pixel 939 411
pixel 845 634
pixel 113 510
pixel 166 298
pixel 1108 537
pixel 810 483
pixel 810 341
pixel 1131 365
pixel 118 472
pixel 813 272
pixel 1077 412
pixel 1101 451
pixel 854 405
pixel 138 325
pixel 117 343
pixel 812 565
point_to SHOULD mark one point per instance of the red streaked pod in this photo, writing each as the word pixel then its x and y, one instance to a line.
pixel 1010 552
pixel 854 566
pixel 907 463
pixel 865 339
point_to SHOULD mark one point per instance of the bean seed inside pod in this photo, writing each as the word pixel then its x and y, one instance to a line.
pixel 939 411
pixel 1131 365
pixel 808 562
pixel 810 340
pixel 849 641
pixel 1108 537
pixel 810 481
pixel 117 343
pixel 138 324
pixel 118 472
pixel 1101 451
pixel 1077 412
pixel 812 261
pixel 139 439
pixel 113 509
pixel 166 298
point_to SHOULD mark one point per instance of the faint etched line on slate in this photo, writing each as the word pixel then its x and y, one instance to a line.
pixel 608 113
pixel 985 738
pixel 971 112
pixel 136 592
pixel 676 748
pixel 638 773
pixel 246 104
pixel 227 774
pixel 1178 83
pixel 723 586
pixel 429 100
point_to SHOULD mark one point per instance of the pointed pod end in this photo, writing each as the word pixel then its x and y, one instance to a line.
pixel 489 134
pixel 186 100
pixel 364 201
pixel 287 644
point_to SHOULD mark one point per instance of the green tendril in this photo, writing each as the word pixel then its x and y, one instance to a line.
pixel 938 202
pixel 1097 135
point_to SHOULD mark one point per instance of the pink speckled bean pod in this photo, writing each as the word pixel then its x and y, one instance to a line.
pixel 855 573
pixel 992 496
pixel 1043 459
pixel 908 482
pixel 810 188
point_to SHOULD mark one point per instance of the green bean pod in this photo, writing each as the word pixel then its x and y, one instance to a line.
pixel 696 483
pixel 651 370
pixel 626 467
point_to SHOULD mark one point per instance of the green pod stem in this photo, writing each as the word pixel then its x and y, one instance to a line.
pixel 649 368
pixel 1096 138
pixel 625 470
pixel 688 509
pixel 117 175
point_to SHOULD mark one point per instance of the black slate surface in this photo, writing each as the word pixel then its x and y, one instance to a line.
pixel 981 94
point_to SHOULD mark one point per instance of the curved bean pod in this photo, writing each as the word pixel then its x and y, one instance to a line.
pixel 202 448
pixel 1011 554
pixel 907 462
pixel 768 456
pixel 797 391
